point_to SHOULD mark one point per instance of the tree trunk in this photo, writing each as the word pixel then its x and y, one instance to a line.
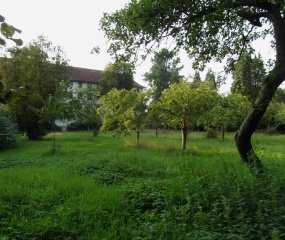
pixel 270 84
pixel 156 132
pixel 249 125
pixel 184 137
pixel 223 133
pixel 138 138
pixel 54 129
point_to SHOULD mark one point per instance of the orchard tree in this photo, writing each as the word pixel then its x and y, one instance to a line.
pixel 270 119
pixel 39 65
pixel 153 115
pixel 126 110
pixel 85 107
pixel 281 114
pixel 229 112
pixel 164 71
pixel 118 75
pixel 182 105
pixel 248 75
pixel 57 106
pixel 207 30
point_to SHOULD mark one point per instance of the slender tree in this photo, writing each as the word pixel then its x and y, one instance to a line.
pixel 57 106
pixel 207 30
pixel 85 108
pixel 229 112
pixel 127 110
pixel 153 115
pixel 183 105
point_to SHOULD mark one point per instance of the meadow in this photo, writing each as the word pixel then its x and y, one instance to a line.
pixel 110 188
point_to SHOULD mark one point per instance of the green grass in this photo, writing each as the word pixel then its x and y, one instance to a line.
pixel 110 188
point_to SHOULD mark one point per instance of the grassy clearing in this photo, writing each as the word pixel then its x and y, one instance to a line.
pixel 109 188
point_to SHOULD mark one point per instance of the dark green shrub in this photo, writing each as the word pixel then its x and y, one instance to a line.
pixel 8 138
pixel 270 131
pixel 280 128
pixel 211 133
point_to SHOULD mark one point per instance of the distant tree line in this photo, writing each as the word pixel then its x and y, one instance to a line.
pixel 172 102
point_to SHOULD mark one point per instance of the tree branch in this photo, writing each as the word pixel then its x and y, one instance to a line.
pixel 253 18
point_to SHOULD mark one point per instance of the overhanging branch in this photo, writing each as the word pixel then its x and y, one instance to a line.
pixel 253 18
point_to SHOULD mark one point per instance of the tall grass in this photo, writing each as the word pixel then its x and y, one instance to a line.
pixel 110 188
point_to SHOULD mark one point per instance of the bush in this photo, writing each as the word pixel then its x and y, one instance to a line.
pixel 280 128
pixel 8 138
pixel 211 133
pixel 270 131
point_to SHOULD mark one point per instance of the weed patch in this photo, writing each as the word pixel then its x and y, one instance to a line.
pixel 110 188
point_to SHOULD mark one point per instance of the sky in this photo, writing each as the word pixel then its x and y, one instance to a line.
pixel 74 25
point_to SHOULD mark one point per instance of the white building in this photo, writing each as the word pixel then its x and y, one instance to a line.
pixel 81 78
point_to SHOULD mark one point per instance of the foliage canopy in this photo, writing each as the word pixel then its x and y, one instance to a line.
pixel 41 66
pixel 118 75
pixel 164 71
pixel 124 110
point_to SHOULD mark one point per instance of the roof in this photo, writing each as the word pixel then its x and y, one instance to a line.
pixel 85 75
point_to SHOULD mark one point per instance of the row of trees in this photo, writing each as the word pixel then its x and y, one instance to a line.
pixel 171 102
pixel 182 105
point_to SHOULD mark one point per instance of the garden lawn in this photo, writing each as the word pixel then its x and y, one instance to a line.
pixel 110 188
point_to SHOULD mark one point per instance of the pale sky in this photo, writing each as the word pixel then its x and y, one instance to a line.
pixel 74 25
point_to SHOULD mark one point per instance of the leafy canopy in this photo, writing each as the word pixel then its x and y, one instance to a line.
pixel 205 29
pixel 248 75
pixel 164 71
pixel 41 66
pixel 118 75
pixel 124 110
pixel 85 106
pixel 182 105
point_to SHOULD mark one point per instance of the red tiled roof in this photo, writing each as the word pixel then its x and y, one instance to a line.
pixel 85 75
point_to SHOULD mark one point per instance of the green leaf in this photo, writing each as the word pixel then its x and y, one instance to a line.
pixel 7 30
pixel 18 41
pixel 2 42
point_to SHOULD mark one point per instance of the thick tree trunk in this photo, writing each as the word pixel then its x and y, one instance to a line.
pixel 249 125
pixel 270 85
